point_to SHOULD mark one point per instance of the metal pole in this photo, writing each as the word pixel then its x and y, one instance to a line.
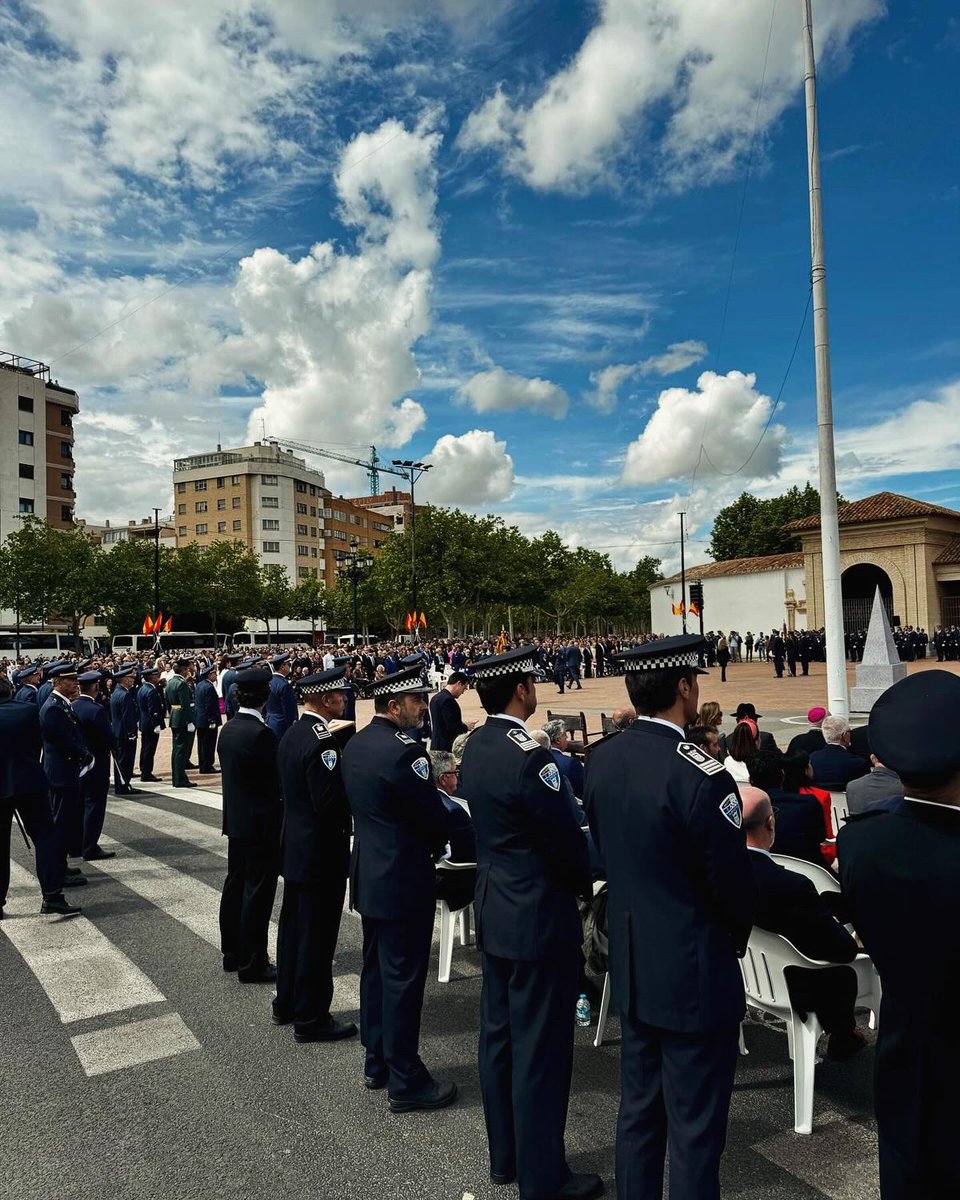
pixel 413 555
pixel 683 579
pixel 156 563
pixel 837 698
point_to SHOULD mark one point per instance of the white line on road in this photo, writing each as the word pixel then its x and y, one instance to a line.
pixel 130 1045
pixel 82 972
pixel 197 795
pixel 198 834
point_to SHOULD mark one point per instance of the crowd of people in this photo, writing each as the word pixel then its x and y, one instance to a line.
pixel 532 830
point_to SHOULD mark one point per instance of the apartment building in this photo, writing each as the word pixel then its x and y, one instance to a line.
pixel 277 506
pixel 110 535
pixel 394 505
pixel 36 436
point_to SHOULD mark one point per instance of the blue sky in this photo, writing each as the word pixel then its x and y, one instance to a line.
pixel 502 236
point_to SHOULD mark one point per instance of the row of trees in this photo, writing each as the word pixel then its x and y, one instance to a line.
pixel 750 527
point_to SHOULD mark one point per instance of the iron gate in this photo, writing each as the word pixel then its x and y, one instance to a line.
pixel 857 610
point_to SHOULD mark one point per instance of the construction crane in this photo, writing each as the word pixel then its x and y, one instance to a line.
pixel 373 467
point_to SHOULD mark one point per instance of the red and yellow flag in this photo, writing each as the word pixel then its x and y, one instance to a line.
pixel 423 620
pixel 678 609
pixel 147 624
pixel 168 624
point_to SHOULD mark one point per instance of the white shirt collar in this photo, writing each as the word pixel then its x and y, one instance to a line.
pixel 760 850
pixel 935 803
pixel 252 712
pixel 507 717
pixel 312 716
pixel 661 721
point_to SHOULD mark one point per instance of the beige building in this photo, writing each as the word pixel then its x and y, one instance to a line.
pixel 36 433
pixel 110 534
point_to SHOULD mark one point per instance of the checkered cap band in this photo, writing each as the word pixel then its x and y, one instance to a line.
pixel 332 685
pixel 399 687
pixel 519 666
pixel 641 663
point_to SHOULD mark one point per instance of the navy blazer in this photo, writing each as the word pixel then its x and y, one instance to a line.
pixel 789 904
pixel 206 705
pixel 446 720
pixel 20 748
pixel 65 750
pixel 97 732
pixel 316 816
pixel 281 710
pixel 247 751
pixel 124 714
pixel 800 826
pixel 153 711
pixel 461 835
pixel 834 766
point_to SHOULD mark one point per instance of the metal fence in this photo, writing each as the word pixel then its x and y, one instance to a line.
pixel 857 610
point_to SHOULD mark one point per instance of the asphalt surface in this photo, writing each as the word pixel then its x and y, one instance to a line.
pixel 134 1067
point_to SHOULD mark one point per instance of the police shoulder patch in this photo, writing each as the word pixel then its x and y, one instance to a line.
pixel 699 758
pixel 402 737
pixel 329 759
pixel 421 767
pixel 551 776
pixel 730 808
pixel 521 738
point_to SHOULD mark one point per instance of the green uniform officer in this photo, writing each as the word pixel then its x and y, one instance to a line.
pixel 179 697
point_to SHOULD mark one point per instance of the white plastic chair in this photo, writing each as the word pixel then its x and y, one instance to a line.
pixel 604 1007
pixel 822 879
pixel 838 802
pixel 448 924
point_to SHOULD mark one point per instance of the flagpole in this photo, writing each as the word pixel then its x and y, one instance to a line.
pixel 683 578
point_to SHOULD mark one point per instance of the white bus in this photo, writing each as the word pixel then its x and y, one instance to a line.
pixel 247 639
pixel 170 643
pixel 40 644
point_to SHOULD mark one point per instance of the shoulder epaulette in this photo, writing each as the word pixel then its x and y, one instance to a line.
pixel 402 737
pixel 521 738
pixel 321 731
pixel 607 737
pixel 699 758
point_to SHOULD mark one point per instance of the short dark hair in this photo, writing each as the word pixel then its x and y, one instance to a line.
pixel 252 695
pixel 795 770
pixel 495 694
pixel 653 692
pixel 766 769
pixel 700 733
pixel 458 677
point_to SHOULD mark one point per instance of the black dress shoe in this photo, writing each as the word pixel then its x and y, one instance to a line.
pixel 278 1016
pixel 150 779
pixel 77 880
pixel 503 1178
pixel 330 1030
pixel 185 784
pixel 132 791
pixel 434 1095
pixel 122 791
pixel 96 854
pixel 374 1083
pixel 190 767
pixel 577 1187
pixel 267 974
pixel 229 962
pixel 59 905
pixel 72 871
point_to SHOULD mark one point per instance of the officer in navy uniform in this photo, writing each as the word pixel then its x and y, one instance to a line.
pixel 65 755
pixel 400 830
pixel 532 864
pixel 94 786
pixel 281 710
pixel 315 862
pixel 153 719
pixel 228 679
pixel 206 707
pixel 666 819
pixel 27 682
pixel 900 871
pixel 229 685
pixel 50 671
pixel 125 721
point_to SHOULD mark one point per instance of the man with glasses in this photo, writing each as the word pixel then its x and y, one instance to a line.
pixel 456 887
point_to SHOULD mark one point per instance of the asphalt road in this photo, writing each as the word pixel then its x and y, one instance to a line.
pixel 134 1067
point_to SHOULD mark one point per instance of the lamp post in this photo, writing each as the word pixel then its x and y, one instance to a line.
pixel 413 470
pixel 354 565
pixel 156 563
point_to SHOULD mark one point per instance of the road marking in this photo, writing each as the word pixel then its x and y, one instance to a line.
pixel 197 795
pixel 82 972
pixel 197 833
pixel 123 1046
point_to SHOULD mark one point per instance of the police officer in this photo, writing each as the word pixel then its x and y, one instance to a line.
pixel 900 872
pixel 179 700
pixel 400 830
pixel 50 671
pixel 281 711
pixel 227 679
pixel 125 721
pixel 65 755
pixel 152 721
pixel 23 790
pixel 316 857
pixel 666 819
pixel 206 708
pixel 94 786
pixel 27 681
pixel 532 863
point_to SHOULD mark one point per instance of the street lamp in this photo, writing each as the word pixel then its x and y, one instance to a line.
pixel 412 470
pixel 354 565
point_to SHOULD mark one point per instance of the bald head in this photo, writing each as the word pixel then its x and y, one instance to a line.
pixel 758 819
pixel 623 718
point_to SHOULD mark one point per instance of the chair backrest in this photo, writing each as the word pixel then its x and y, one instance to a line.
pixel 574 723
pixel 838 802
pixel 762 968
pixel 607 724
pixel 822 879
pixel 446 865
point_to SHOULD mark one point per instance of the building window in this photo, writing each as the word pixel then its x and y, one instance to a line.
pixel 26 471
pixel 181 531
pixel 66 512
pixel 66 450
pixel 302 530
pixel 26 506
pixel 270 524
pixel 313 552
pixel 221 527
pixel 270 501
pixel 201 529
pixel 303 551
pixel 268 480
pixel 181 509
pixel 271 547
pixel 301 486
pixel 302 508
pixel 181 488
pixel 24 437
pixel 303 572
pixel 219 481
pixel 236 527
pixel 199 485
pixel 25 403
pixel 326 512
pixel 236 502
pixel 221 506
pixel 65 419
pixel 234 480
pixel 313 490
pixel 200 506
pixel 340 534
pixel 66 482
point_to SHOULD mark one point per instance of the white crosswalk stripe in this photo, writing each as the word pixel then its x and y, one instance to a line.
pixel 204 837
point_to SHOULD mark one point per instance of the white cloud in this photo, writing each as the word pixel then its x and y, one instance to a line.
pixel 471 470
pixel 726 413
pixel 498 390
pixel 698 59
pixel 608 381
pixel 677 357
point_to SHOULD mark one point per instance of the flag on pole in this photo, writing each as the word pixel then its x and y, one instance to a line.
pixel 168 624
pixel 147 624
pixel 423 620
pixel 678 609
pixel 409 622
pixel 693 610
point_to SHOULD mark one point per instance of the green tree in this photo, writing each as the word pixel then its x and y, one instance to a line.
pixel 309 601
pixel 273 594
pixel 54 573
pixel 123 580
pixel 221 580
pixel 750 527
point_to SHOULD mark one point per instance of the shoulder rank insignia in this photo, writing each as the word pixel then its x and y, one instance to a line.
pixel 321 731
pixel 329 759
pixel 699 758
pixel 521 738
pixel 402 737
pixel 421 767
pixel 730 808
pixel 550 775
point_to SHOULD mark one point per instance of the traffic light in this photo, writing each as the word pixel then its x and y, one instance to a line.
pixel 696 595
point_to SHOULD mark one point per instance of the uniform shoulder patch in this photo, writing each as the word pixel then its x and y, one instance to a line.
pixel 730 807
pixel 421 767
pixel 402 737
pixel 329 759
pixel 521 738
pixel 551 776
pixel 321 731
pixel 699 758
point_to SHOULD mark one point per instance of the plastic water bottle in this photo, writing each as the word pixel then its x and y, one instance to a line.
pixel 583 1010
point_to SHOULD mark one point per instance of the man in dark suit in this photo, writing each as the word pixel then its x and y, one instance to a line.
pixel 281 710
pixel 900 872
pixel 880 786
pixel 835 765
pixel 532 864
pixel 400 830
pixel 801 828
pixel 680 910
pixel 456 887
pixel 125 722
pixel 812 738
pixel 23 790
pixel 316 857
pixel 446 719
pixel 252 816
pixel 206 717
pixel 65 756
pixel 767 740
pixel 153 716
pixel 776 650
pixel 574 657
pixel 789 904
pixel 94 786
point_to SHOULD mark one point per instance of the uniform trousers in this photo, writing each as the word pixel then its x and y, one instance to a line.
pixel 396 955
pixel 675 1089
pixel 124 758
pixel 34 810
pixel 778 666
pixel 526 1062
pixel 249 891
pixel 66 804
pixel 306 943
pixel 206 748
pixel 148 751
pixel 180 754
pixel 93 788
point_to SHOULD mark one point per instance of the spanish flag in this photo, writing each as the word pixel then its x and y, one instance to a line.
pixel 147 624
pixel 693 610
pixel 168 624
pixel 423 620
pixel 678 609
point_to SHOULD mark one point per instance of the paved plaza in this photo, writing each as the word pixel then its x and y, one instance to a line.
pixel 134 1067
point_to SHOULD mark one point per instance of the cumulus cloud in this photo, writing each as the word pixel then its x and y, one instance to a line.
pixel 697 59
pixel 677 357
pixel 472 470
pixel 608 381
pixel 498 390
pixel 726 413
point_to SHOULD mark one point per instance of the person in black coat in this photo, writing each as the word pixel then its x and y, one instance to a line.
pixel 835 765
pixel 812 738
pixel 532 864
pixel 400 830
pixel 455 887
pixel 252 816
pixel 900 872
pixel 65 756
pixel 23 790
pixel 125 722
pixel 446 719
pixel 153 720
pixel 316 856
pixel 776 650
pixel 801 828
pixel 94 786
pixel 788 903
pixel 666 820
pixel 207 718
pixel 27 684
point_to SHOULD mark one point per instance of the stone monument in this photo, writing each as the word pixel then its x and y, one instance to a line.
pixel 881 666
